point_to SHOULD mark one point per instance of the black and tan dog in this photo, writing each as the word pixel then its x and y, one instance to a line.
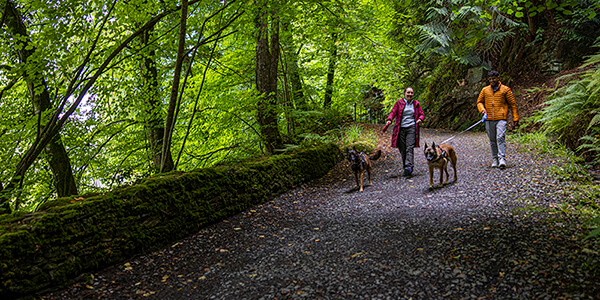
pixel 437 158
pixel 360 163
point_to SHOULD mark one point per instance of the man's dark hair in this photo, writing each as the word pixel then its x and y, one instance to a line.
pixel 493 73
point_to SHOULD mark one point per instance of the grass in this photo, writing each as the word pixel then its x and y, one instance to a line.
pixel 582 196
pixel 342 136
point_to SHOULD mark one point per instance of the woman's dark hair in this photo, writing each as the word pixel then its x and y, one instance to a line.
pixel 493 73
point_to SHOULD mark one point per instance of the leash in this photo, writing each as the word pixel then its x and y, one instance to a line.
pixel 478 122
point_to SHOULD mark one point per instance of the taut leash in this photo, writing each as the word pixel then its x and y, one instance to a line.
pixel 478 122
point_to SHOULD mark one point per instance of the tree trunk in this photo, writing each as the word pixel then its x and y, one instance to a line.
pixel 154 121
pixel 330 71
pixel 267 59
pixel 293 70
pixel 170 120
pixel 55 152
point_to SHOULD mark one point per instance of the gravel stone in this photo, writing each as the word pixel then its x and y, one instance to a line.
pixel 398 239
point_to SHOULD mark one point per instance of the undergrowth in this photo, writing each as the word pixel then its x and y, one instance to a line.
pixel 342 136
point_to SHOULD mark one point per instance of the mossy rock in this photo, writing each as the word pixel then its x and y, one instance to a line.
pixel 361 146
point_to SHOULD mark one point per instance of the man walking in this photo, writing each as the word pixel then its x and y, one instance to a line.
pixel 494 100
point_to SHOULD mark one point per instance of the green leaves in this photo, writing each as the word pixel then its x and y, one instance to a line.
pixel 577 103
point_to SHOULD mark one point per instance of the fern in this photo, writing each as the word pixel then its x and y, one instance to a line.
pixel 595 120
pixel 576 105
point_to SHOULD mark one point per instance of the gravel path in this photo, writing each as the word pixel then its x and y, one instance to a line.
pixel 395 240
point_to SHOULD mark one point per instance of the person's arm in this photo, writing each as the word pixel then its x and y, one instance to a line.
pixel 420 115
pixel 481 102
pixel 510 98
pixel 391 117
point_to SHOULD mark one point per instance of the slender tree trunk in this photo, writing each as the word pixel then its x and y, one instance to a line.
pixel 293 70
pixel 55 152
pixel 294 96
pixel 267 60
pixel 296 82
pixel 170 120
pixel 331 71
pixel 154 121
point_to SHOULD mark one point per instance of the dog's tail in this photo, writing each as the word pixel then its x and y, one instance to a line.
pixel 376 155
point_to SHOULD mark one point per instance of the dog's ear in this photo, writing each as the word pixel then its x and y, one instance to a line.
pixel 425 145
pixel 433 145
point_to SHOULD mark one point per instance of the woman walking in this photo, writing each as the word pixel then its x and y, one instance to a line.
pixel 408 114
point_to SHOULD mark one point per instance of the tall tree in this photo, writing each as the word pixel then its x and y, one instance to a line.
pixel 31 66
pixel 153 119
pixel 171 113
pixel 267 60
pixel 333 53
pixel 290 51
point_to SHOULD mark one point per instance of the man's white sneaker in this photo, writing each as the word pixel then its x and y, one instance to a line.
pixel 495 163
pixel 502 163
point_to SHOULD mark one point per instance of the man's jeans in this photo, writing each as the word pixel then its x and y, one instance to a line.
pixel 496 131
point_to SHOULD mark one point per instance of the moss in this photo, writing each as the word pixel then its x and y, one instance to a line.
pixel 75 235
pixel 361 146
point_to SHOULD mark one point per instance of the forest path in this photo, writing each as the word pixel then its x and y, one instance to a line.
pixel 396 240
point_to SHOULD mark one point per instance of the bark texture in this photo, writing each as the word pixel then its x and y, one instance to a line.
pixel 267 59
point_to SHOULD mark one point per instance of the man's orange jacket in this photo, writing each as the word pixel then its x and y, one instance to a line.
pixel 496 103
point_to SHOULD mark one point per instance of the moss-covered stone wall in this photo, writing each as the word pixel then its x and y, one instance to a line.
pixel 75 235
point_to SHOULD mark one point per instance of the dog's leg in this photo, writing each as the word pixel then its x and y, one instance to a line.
pixel 356 177
pixel 431 176
pixel 454 167
pixel 361 181
pixel 441 176
pixel 454 160
pixel 446 170
pixel 369 175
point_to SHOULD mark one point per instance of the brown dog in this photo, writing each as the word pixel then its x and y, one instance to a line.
pixel 360 163
pixel 437 158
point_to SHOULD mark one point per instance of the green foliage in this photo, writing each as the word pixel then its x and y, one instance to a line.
pixel 596 231
pixel 522 8
pixel 468 33
pixel 573 111
pixel 345 136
